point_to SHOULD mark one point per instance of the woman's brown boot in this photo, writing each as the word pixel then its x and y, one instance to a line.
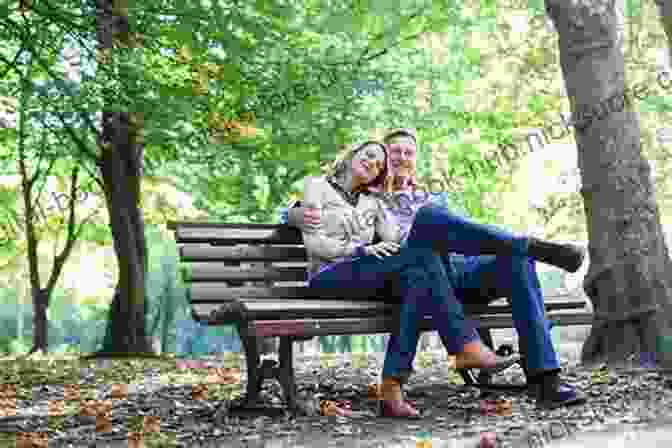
pixel 392 403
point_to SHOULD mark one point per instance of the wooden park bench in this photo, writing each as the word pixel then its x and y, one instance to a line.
pixel 238 274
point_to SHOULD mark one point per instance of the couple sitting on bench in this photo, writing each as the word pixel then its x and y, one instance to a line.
pixel 417 261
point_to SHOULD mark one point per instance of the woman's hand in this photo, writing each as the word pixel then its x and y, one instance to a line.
pixel 312 216
pixel 375 188
pixel 384 248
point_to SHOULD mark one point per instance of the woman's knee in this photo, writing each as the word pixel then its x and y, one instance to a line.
pixel 424 258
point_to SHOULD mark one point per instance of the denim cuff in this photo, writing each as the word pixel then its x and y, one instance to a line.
pixel 359 251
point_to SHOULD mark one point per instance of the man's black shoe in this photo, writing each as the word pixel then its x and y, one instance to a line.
pixel 551 393
pixel 565 256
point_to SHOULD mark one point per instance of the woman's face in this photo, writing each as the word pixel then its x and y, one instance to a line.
pixel 368 163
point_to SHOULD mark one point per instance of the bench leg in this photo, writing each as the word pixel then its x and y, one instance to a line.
pixel 286 371
pixel 254 377
pixel 470 379
pixel 486 337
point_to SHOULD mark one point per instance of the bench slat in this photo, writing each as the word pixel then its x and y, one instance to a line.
pixel 199 272
pixel 298 309
pixel 218 292
pixel 191 253
pixel 230 234
pixel 273 309
pixel 381 324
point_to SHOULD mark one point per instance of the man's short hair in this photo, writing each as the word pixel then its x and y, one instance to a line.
pixel 406 132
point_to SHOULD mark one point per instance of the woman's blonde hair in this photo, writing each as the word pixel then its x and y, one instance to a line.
pixel 341 164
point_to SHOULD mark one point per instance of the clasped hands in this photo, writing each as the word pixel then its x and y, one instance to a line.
pixel 311 219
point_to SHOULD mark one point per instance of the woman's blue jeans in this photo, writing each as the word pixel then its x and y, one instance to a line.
pixel 418 278
pixel 485 278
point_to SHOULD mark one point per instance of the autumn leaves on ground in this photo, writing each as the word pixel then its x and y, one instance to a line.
pixel 19 375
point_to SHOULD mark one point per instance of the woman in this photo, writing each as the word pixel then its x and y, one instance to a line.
pixel 340 253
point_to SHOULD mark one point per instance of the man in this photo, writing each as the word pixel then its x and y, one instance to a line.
pixel 484 278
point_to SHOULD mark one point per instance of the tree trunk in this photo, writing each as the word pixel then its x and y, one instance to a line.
pixel 121 167
pixel 41 296
pixel 40 324
pixel 628 280
pixel 665 12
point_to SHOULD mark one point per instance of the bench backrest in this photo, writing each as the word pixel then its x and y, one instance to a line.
pixel 261 254
pixel 224 262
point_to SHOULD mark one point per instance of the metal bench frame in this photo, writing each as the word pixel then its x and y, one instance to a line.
pixel 221 291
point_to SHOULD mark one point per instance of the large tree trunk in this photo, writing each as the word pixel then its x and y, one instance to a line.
pixel 121 168
pixel 629 276
pixel 665 12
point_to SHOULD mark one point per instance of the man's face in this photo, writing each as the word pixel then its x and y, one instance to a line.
pixel 402 154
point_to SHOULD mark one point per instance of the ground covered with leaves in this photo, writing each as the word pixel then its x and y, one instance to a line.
pixel 167 402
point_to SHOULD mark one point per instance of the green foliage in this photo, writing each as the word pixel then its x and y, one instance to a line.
pixel 293 68
pixel 633 8
pixel 292 74
pixel 536 7
pixel 658 104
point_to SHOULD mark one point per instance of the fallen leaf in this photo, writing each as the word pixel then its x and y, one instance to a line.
pixel 56 407
pixel 71 392
pixel 454 377
pixel 199 392
pixel 425 360
pixel 104 422
pixel 488 440
pixel 374 392
pixel 151 423
pixel 119 391
pixel 7 407
pixel 136 440
pixel 360 360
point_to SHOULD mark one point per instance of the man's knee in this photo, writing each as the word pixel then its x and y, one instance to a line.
pixel 426 214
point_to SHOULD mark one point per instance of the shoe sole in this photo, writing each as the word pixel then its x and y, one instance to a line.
pixel 558 404
pixel 502 367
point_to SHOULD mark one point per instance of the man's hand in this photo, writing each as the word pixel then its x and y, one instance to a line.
pixel 382 249
pixel 405 182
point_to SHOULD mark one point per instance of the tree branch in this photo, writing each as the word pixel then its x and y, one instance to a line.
pixel 62 257
pixel 64 88
pixel 12 64
pixel 27 186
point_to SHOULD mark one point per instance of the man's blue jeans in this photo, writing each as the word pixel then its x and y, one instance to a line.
pixel 482 279
pixel 418 278
pixel 485 278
